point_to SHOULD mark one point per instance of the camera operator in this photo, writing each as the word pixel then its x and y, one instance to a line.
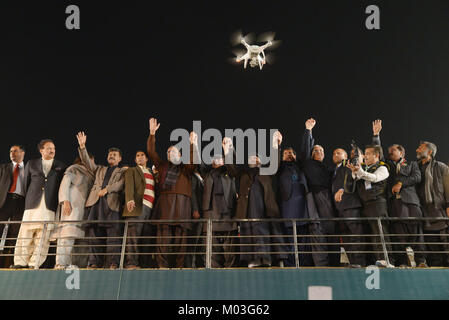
pixel 371 184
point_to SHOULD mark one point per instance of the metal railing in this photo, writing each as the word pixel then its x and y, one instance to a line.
pixel 204 244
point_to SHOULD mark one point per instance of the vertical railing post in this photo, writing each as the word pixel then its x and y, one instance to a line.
pixel 209 244
pixel 41 244
pixel 295 242
pixel 124 239
pixel 4 234
pixel 382 239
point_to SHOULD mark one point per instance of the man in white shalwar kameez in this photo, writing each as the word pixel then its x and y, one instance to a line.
pixel 43 177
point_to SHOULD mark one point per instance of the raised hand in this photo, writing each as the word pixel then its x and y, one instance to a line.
pixel 154 126
pixel 227 144
pixel 193 138
pixel 277 139
pixel 81 139
pixel 310 123
pixel 377 126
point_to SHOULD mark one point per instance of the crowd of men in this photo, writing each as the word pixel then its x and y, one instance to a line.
pixel 361 184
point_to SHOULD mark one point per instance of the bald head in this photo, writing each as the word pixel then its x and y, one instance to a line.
pixel 339 155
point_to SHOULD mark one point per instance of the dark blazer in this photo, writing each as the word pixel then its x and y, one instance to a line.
pixel 36 184
pixel 271 207
pixel 5 181
pixel 349 200
pixel 134 189
pixel 284 180
pixel 409 174
pixel 229 190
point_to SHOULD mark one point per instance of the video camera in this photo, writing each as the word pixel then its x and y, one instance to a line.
pixel 355 160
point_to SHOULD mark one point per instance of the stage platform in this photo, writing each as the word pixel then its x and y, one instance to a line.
pixel 224 284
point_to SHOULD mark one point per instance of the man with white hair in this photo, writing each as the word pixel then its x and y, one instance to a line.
pixel 319 180
pixel 433 192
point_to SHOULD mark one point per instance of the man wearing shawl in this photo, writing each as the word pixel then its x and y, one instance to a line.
pixel 174 200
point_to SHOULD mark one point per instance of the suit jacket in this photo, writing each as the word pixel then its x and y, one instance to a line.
pixel 5 181
pixel 134 190
pixel 37 184
pixel 229 190
pixel 343 180
pixel 114 186
pixel 409 174
pixel 271 207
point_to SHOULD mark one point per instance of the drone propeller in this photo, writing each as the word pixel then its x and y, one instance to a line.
pixel 266 36
pixel 270 58
pixel 269 36
pixel 237 37
pixel 238 52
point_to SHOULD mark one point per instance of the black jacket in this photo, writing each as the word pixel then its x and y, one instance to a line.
pixel 5 181
pixel 409 174
pixel 343 180
pixel 36 183
pixel 317 173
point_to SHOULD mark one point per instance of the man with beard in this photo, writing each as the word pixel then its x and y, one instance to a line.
pixel 403 199
pixel 174 200
pixel 103 203
pixel 218 202
pixel 433 192
pixel 257 200
pixel 348 205
pixel 292 198
pixel 319 182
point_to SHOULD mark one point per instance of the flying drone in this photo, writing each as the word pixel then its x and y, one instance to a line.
pixel 254 53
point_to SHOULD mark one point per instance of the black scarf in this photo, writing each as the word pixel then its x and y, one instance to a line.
pixel 171 177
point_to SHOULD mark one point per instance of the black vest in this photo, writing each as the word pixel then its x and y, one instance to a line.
pixel 377 192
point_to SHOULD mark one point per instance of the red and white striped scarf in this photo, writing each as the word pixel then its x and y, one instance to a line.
pixel 148 195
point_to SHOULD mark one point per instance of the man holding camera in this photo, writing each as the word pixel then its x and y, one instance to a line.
pixel 371 179
pixel 348 204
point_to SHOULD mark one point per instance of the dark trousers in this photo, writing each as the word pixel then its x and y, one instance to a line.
pixel 304 248
pixel 349 228
pixel 403 228
pixel 110 245
pixel 135 230
pixel 324 204
pixel 437 259
pixel 12 209
pixel 221 247
pixel 377 209
pixel 170 239
pixel 197 250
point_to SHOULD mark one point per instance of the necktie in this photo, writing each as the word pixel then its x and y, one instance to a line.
pixel 15 175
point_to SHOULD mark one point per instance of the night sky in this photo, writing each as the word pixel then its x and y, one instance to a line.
pixel 137 59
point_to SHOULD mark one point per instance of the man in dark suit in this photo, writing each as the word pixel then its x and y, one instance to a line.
pixel 404 202
pixel 292 190
pixel 42 179
pixel 319 182
pixel 348 205
pixel 12 199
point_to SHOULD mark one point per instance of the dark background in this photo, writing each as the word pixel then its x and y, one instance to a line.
pixel 135 59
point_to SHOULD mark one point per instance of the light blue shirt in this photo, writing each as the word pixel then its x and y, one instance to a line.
pixel 20 185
